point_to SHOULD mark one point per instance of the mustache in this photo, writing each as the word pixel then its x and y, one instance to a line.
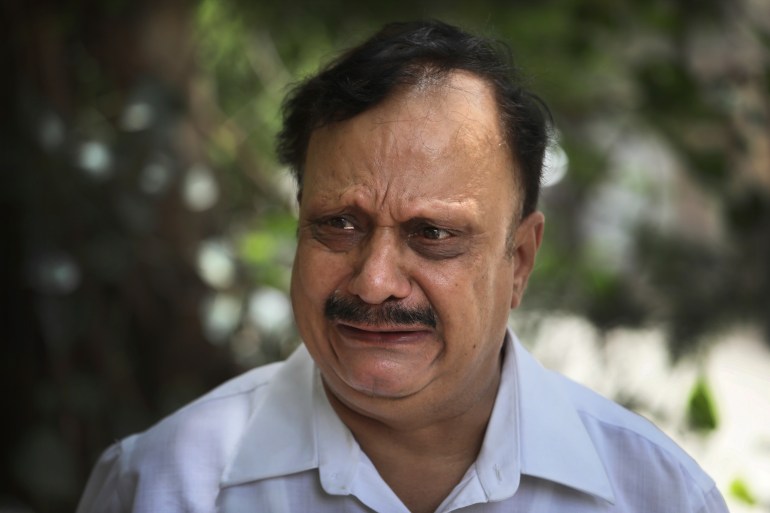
pixel 349 309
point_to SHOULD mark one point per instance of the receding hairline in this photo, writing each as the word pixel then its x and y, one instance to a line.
pixel 427 78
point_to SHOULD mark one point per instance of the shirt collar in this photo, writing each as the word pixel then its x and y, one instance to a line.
pixel 533 430
pixel 555 444
pixel 279 438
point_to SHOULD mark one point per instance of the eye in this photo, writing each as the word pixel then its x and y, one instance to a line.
pixel 337 232
pixel 340 223
pixel 433 233
pixel 435 243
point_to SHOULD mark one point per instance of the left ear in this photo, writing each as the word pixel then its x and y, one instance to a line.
pixel 529 235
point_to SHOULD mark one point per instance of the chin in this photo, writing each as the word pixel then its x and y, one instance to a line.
pixel 385 387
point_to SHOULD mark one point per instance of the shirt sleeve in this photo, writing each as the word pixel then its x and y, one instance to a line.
pixel 103 490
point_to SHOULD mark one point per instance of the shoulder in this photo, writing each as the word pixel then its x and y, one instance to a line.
pixel 208 425
pixel 639 458
pixel 610 424
pixel 216 416
pixel 183 455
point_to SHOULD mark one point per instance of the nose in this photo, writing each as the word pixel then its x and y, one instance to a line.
pixel 378 272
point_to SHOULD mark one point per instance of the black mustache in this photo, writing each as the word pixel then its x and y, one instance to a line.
pixel 349 309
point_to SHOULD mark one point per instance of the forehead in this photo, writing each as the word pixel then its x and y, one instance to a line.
pixel 434 139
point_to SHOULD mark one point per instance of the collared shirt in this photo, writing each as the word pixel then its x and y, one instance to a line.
pixel 269 441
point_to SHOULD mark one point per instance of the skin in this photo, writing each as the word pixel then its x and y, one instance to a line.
pixel 414 203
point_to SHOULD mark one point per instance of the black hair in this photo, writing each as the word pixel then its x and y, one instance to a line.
pixel 403 54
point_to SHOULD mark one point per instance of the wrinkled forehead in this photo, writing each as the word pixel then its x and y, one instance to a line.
pixel 436 117
pixel 436 140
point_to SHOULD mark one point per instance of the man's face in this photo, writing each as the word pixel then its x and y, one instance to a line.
pixel 408 259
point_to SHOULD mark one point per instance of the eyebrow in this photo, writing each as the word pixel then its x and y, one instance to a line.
pixel 360 198
pixel 463 210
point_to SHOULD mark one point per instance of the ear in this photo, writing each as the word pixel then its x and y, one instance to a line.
pixel 529 235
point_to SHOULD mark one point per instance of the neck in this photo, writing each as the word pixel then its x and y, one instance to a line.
pixel 422 457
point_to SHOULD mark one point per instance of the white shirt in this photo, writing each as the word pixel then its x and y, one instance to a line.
pixel 269 441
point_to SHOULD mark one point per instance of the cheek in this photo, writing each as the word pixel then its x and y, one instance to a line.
pixel 454 293
pixel 470 298
pixel 315 275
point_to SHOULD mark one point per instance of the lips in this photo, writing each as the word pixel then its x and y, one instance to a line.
pixel 384 335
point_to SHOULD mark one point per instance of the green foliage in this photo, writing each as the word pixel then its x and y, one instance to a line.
pixel 268 250
pixel 701 410
pixel 740 490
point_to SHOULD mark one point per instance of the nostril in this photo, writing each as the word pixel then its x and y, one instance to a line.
pixel 380 275
pixel 379 288
pixel 379 282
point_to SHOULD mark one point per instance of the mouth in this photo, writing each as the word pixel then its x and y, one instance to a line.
pixel 384 334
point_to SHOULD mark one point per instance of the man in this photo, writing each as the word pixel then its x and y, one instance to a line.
pixel 418 162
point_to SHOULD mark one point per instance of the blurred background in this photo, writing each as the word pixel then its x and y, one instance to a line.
pixel 148 232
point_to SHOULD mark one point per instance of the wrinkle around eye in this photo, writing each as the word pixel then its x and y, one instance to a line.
pixel 450 246
pixel 338 233
pixel 435 240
